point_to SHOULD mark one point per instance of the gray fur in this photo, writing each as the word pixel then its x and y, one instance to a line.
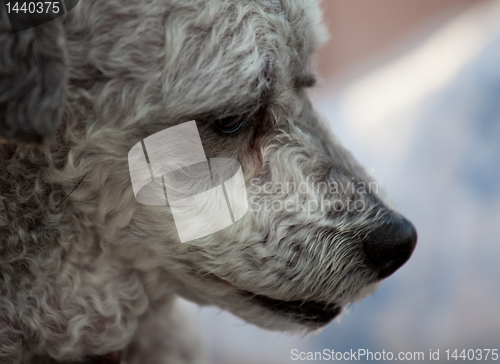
pixel 32 81
pixel 87 275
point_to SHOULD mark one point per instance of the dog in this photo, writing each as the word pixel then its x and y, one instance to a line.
pixel 88 274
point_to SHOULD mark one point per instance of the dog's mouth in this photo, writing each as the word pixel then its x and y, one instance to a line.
pixel 301 311
pixel 310 313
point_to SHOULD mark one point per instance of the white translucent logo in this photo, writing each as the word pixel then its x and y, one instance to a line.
pixel 205 195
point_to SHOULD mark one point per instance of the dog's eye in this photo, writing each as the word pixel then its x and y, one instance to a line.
pixel 230 124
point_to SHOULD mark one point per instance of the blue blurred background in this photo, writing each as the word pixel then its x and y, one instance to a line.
pixel 423 116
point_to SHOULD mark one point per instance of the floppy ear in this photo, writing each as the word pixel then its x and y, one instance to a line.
pixel 32 80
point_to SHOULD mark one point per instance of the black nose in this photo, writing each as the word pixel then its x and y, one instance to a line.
pixel 391 245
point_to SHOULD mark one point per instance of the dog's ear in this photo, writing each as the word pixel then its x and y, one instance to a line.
pixel 32 81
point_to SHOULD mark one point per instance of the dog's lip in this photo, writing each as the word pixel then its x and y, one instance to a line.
pixel 301 311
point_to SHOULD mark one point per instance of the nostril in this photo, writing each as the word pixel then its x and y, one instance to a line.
pixel 390 246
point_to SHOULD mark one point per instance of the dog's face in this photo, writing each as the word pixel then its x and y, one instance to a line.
pixel 317 236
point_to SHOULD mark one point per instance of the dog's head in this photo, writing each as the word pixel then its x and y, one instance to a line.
pixel 317 235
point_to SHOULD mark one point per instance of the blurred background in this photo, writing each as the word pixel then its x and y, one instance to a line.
pixel 412 88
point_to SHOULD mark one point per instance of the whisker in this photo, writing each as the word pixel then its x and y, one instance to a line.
pixel 250 246
pixel 64 199
pixel 282 226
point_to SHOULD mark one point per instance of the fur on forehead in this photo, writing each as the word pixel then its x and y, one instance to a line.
pixel 194 56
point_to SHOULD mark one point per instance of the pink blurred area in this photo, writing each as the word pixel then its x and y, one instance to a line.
pixel 368 32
